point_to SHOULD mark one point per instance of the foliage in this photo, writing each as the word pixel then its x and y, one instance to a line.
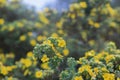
pixel 78 46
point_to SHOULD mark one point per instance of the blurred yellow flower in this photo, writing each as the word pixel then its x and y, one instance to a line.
pixel 109 58
pixel 96 25
pixel 4 70
pixel 44 58
pixel 38 74
pixel 45 65
pixel 65 52
pixel 83 4
pixel 90 53
pixel 30 54
pixel 54 35
pixel 26 62
pixel 78 78
pixel 33 42
pixel 2 20
pixel 109 76
pixel 61 43
pixel 22 38
pixel 39 38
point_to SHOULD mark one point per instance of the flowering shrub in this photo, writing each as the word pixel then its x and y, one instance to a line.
pixel 83 30
pixel 49 61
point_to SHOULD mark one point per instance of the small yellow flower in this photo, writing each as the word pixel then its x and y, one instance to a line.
pixel 26 62
pixel 96 70
pixel 108 76
pixel 39 38
pixel 65 52
pixel 38 74
pixel 4 70
pixel 109 58
pixel 83 68
pixel 54 35
pixel 45 65
pixel 30 54
pixel 33 42
pixel 83 5
pixel 96 25
pixel 1 21
pixel 78 78
pixel 44 58
pixel 90 53
pixel 61 43
pixel 22 38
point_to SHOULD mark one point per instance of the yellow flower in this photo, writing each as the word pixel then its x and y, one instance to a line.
pixel 90 53
pixel 54 35
pixel 109 58
pixel 83 68
pixel 26 62
pixel 108 76
pixel 39 38
pixel 22 38
pixel 33 42
pixel 4 70
pixel 61 43
pixel 30 54
pixel 2 20
pixel 78 78
pixel 83 5
pixel 45 65
pixel 44 58
pixel 38 74
pixel 65 52
pixel 96 70
pixel 96 25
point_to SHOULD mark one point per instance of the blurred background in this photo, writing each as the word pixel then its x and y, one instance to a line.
pixel 24 23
